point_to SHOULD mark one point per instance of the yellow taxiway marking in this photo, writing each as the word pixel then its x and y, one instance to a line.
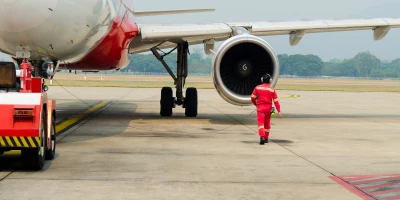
pixel 67 123
pixel 62 126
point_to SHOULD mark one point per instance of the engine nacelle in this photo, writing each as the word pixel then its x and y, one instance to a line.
pixel 238 66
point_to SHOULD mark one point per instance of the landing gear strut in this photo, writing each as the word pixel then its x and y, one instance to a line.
pixel 190 103
pixel 37 68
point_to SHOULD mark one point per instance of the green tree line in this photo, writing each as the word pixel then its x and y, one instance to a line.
pixel 364 64
pixel 197 63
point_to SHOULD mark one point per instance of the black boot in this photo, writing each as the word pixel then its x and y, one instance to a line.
pixel 262 141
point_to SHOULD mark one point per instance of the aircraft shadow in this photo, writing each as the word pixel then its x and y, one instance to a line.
pixel 124 118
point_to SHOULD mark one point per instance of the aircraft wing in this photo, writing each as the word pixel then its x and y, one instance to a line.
pixel 167 35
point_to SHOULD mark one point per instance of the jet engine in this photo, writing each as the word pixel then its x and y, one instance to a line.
pixel 238 66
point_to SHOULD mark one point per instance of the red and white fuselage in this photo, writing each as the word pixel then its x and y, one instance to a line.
pixel 84 35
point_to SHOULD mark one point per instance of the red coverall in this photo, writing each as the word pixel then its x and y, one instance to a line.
pixel 263 96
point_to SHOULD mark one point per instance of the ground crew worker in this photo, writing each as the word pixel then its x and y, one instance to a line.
pixel 264 96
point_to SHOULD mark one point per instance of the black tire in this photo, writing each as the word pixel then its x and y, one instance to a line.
pixel 166 102
pixel 51 153
pixel 191 102
pixel 33 158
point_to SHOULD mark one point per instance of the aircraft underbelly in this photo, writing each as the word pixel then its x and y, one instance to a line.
pixel 57 29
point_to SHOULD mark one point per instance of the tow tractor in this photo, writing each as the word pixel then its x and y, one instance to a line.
pixel 27 116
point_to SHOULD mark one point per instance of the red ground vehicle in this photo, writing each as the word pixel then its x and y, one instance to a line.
pixel 27 116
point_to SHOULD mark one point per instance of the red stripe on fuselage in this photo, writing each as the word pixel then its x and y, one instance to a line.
pixel 112 52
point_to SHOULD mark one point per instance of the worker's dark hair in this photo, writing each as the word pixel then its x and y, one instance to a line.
pixel 266 78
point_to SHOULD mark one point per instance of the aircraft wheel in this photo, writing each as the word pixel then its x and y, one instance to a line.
pixel 191 102
pixel 51 153
pixel 167 102
pixel 33 158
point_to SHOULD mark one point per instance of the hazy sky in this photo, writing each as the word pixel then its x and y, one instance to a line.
pixel 325 45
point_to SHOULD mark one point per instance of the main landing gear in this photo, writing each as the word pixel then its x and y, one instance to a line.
pixel 168 102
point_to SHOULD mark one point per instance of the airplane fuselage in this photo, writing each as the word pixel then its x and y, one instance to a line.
pixel 83 35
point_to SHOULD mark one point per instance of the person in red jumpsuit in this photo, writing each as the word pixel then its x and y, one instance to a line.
pixel 264 96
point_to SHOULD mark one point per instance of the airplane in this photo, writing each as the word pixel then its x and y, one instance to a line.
pixel 98 35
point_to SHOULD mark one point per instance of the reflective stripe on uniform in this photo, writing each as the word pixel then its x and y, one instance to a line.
pixel 264 88
pixel 261 127
pixel 254 96
pixel 275 100
pixel 267 130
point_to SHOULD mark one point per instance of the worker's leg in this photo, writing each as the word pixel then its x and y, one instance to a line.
pixel 267 125
pixel 261 120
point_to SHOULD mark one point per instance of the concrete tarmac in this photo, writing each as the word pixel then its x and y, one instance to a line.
pixel 127 151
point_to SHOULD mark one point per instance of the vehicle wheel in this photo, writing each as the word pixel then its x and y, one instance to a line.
pixel 191 102
pixel 33 158
pixel 167 102
pixel 51 153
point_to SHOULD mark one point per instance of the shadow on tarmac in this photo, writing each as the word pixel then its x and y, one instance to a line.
pixel 12 161
pixel 279 141
pixel 123 118
pixel 117 119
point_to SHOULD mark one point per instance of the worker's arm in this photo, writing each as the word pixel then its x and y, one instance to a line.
pixel 276 102
pixel 254 96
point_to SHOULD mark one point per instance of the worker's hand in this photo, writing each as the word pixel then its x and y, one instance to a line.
pixel 280 115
